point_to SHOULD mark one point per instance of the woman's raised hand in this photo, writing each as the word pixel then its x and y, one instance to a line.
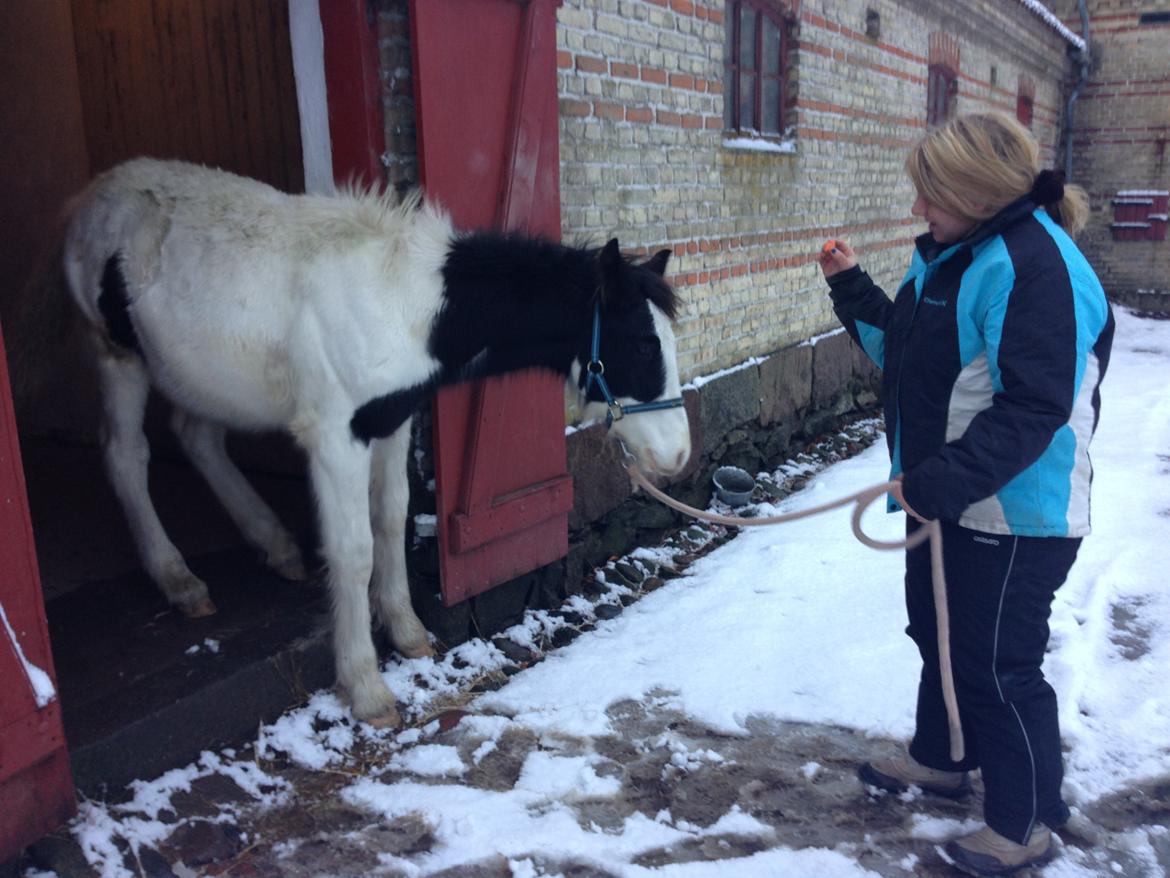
pixel 836 256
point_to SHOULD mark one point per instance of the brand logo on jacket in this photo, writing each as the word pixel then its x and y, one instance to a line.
pixel 987 540
pixel 940 303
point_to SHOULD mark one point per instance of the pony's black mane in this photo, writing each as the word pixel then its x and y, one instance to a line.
pixel 497 254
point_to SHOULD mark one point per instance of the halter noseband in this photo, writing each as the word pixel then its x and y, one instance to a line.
pixel 596 372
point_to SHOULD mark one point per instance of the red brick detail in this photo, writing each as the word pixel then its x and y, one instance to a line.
pixel 666 117
pixel 682 80
pixel 623 69
pixel 858 61
pixel 851 112
pixel 803 131
pixel 653 74
pixel 821 22
pixel 564 60
pixel 639 114
pixel 590 64
pixel 944 51
pixel 692 121
pixel 683 7
pixel 575 108
pixel 606 110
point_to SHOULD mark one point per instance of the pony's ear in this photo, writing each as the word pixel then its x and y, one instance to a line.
pixel 610 257
pixel 611 261
pixel 657 262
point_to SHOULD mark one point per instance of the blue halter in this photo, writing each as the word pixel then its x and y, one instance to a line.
pixel 596 372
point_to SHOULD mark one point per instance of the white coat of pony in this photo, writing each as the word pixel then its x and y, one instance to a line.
pixel 251 309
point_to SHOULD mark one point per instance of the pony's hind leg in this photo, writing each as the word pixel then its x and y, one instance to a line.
pixel 390 493
pixel 204 443
pixel 125 388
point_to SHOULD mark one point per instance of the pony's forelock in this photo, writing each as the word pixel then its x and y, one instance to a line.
pixel 662 294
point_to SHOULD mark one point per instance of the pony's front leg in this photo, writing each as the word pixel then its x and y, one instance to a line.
pixel 340 471
pixel 390 493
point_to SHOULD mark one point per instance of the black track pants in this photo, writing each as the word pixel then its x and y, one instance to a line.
pixel 1000 591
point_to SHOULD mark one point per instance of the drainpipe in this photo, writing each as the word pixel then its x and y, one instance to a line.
pixel 1082 78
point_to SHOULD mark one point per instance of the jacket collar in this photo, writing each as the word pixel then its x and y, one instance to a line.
pixel 930 250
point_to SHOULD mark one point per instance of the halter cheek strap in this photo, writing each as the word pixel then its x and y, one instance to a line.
pixel 595 372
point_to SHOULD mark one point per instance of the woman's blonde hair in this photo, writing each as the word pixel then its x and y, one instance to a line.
pixel 978 163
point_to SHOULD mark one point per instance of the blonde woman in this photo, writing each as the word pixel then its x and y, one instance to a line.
pixel 992 353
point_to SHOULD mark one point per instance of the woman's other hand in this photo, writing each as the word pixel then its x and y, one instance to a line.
pixel 836 256
pixel 896 491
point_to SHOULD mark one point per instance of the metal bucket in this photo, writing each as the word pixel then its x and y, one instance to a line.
pixel 733 486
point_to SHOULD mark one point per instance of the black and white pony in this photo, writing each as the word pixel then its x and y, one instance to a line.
pixel 331 318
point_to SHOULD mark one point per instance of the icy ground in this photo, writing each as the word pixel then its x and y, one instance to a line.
pixel 700 710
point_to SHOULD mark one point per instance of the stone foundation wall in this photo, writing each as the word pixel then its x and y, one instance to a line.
pixel 754 417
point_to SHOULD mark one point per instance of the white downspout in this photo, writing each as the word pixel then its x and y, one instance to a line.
pixel 308 53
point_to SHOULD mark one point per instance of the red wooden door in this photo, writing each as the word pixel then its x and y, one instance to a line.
pixel 36 787
pixel 486 105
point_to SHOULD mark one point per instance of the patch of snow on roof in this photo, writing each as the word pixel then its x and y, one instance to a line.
pixel 1055 23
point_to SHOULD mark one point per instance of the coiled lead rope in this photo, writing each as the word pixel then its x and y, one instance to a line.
pixel 862 499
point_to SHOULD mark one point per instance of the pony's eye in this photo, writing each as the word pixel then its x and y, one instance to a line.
pixel 647 346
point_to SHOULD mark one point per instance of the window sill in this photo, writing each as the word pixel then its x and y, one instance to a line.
pixel 759 144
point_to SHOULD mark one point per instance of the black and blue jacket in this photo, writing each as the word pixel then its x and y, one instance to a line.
pixel 992 355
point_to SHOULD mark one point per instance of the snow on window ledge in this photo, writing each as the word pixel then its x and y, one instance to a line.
pixel 759 144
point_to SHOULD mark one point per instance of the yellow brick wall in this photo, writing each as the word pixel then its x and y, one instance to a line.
pixel 643 154
pixel 1122 125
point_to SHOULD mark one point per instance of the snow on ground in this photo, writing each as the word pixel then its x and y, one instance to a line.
pixel 798 623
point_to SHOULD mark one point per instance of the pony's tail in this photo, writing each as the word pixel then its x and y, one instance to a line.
pixel 40 322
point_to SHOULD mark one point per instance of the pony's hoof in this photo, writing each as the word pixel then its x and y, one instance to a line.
pixel 414 652
pixel 388 720
pixel 200 609
pixel 291 568
pixel 380 711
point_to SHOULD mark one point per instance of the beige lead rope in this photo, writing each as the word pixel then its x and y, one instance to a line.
pixel 862 500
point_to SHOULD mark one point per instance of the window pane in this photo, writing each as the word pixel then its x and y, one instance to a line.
pixel 771 47
pixel 747 38
pixel 747 103
pixel 771 106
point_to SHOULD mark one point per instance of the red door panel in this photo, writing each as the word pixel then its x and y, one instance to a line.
pixel 36 787
pixel 486 104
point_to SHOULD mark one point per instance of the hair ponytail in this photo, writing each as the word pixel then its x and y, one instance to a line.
pixel 978 163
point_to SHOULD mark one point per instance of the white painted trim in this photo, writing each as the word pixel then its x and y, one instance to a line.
pixel 308 52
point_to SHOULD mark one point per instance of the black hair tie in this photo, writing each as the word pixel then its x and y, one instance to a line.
pixel 1048 187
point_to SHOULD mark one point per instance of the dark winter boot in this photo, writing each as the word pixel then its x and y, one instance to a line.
pixel 899 773
pixel 986 852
